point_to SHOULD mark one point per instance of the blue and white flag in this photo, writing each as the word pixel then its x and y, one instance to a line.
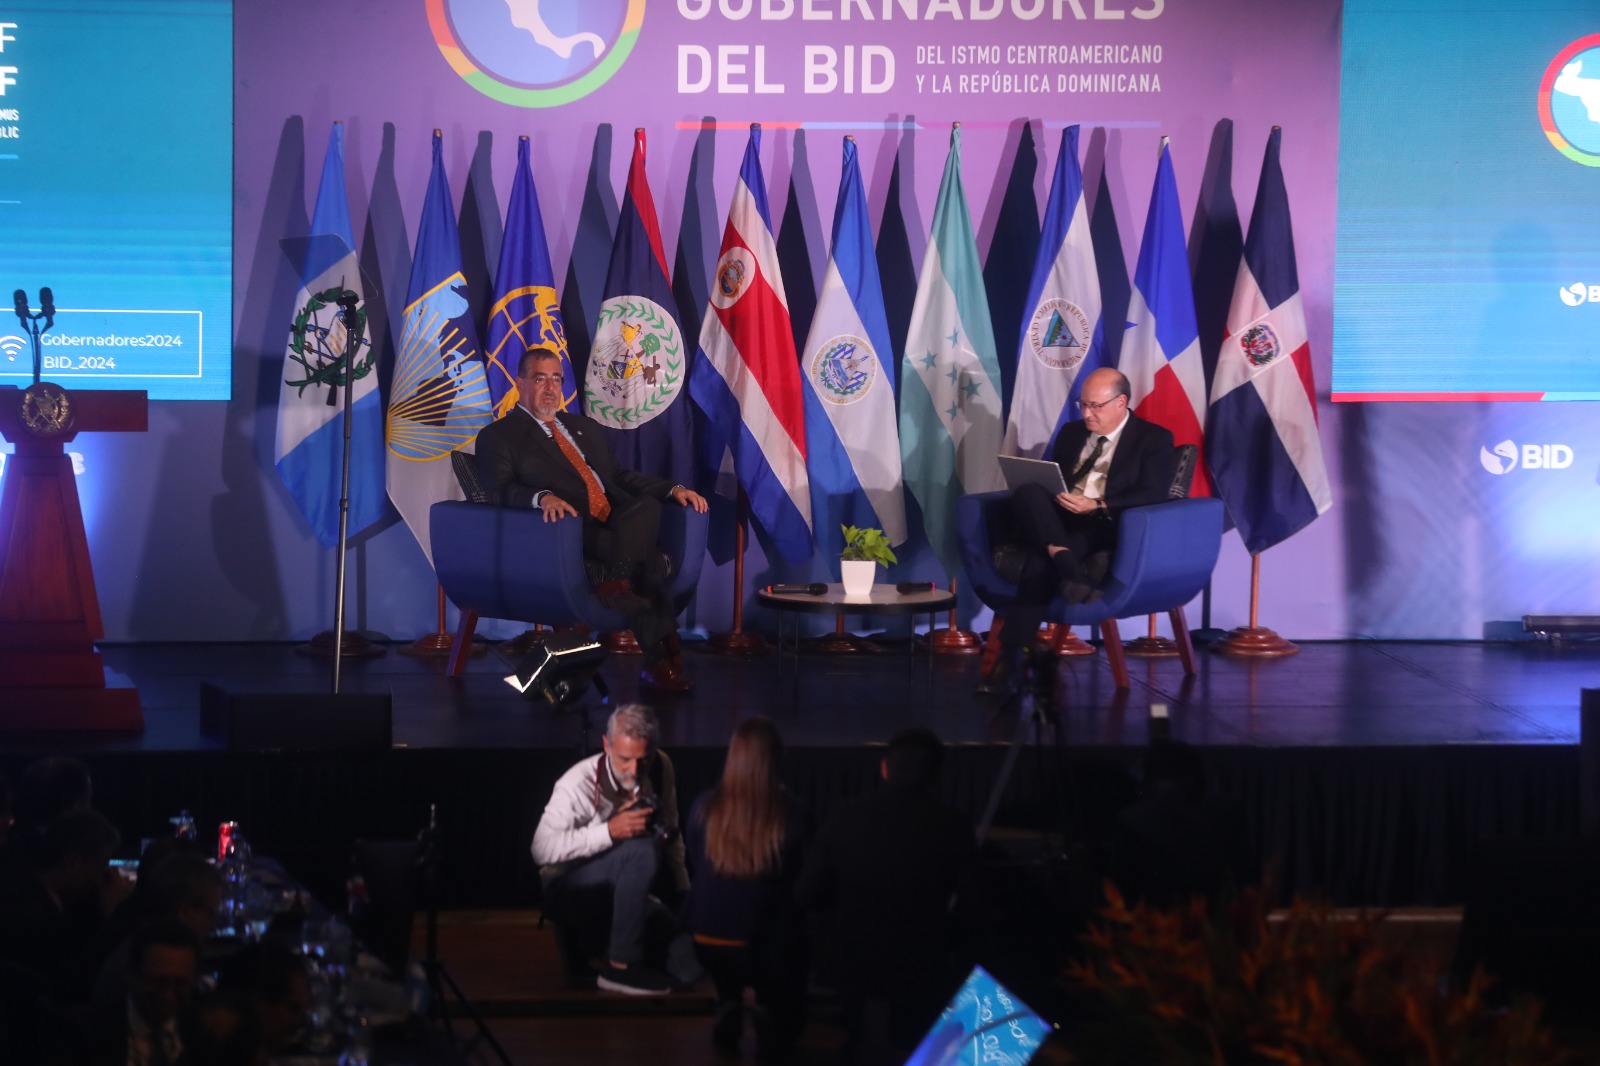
pixel 1063 338
pixel 950 377
pixel 852 444
pixel 440 395
pixel 310 444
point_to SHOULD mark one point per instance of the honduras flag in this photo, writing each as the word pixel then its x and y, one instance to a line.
pixel 950 378
pixel 852 447
pixel 525 312
pixel 439 398
pixel 640 362
pixel 747 378
pixel 1161 348
pixel 310 444
pixel 1261 437
pixel 1063 338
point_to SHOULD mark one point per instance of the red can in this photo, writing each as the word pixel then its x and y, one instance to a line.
pixel 225 833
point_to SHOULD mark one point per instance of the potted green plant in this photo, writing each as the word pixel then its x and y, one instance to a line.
pixel 864 551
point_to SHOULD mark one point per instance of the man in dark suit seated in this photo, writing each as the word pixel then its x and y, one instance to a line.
pixel 540 456
pixel 1111 460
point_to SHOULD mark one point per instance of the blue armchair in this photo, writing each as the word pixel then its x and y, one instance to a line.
pixel 505 562
pixel 1164 556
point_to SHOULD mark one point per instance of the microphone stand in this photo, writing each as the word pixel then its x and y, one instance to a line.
pixel 30 324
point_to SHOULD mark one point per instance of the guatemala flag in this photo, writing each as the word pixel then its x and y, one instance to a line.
pixel 950 378
pixel 1063 339
pixel 525 313
pixel 439 398
pixel 852 449
pixel 310 445
pixel 640 362
pixel 1161 348
pixel 747 379
pixel 1261 438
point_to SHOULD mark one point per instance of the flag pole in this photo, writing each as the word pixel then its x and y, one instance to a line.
pixel 1254 641
pixel 736 641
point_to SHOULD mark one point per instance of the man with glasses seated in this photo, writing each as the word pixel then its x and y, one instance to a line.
pixel 538 455
pixel 1111 459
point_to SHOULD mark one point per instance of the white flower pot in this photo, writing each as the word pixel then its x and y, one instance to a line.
pixel 857 575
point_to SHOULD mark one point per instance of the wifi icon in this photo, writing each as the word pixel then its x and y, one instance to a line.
pixel 12 346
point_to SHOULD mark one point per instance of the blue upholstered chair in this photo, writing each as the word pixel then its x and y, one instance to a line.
pixel 1164 556
pixel 506 562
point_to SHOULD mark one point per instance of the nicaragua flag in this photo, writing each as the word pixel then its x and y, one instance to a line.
pixel 439 398
pixel 950 425
pixel 526 312
pixel 1261 436
pixel 852 447
pixel 747 378
pixel 640 362
pixel 1161 348
pixel 1063 338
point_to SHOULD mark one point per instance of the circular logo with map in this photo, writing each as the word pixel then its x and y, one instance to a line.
pixel 1059 334
pixel 735 270
pixel 1569 101
pixel 843 369
pixel 636 367
pixel 532 54
pixel 1260 346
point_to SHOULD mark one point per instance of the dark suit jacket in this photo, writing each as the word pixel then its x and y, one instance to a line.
pixel 1142 467
pixel 516 458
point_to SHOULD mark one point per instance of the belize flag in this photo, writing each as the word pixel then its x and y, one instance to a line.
pixel 747 378
pixel 1161 348
pixel 525 312
pixel 439 398
pixel 310 438
pixel 640 362
pixel 1261 437
pixel 1063 338
pixel 852 447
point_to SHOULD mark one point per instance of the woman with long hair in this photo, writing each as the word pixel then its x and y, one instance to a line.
pixel 746 840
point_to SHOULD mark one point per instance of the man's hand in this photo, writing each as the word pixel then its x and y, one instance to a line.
pixel 1076 503
pixel 689 498
pixel 555 508
pixel 629 821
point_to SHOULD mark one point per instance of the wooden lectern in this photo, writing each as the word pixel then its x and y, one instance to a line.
pixel 51 676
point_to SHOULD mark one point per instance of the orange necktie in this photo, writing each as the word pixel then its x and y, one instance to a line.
pixel 599 506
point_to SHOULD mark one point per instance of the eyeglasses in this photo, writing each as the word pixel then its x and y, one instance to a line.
pixel 1084 405
pixel 541 380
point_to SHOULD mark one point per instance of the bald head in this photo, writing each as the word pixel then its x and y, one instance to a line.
pixel 1104 401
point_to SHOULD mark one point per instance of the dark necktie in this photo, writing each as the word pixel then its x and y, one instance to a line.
pixel 599 506
pixel 1087 465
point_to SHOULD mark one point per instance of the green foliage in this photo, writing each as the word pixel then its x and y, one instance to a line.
pixel 868 546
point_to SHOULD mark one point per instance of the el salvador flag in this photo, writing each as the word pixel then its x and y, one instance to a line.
pixel 1161 348
pixel 1261 436
pixel 747 379
pixel 1063 338
pixel 852 446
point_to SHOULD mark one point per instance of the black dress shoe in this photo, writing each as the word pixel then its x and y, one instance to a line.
pixel 997 682
pixel 665 679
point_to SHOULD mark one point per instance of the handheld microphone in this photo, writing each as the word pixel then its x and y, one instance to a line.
pixel 907 587
pixel 47 306
pixel 21 300
pixel 815 588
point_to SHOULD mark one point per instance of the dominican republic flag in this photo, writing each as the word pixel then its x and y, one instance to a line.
pixel 1063 339
pixel 526 312
pixel 439 397
pixel 852 447
pixel 1161 348
pixel 310 444
pixel 950 424
pixel 1261 437
pixel 747 378
pixel 640 361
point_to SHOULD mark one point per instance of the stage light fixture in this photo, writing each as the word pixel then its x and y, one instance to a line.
pixel 560 669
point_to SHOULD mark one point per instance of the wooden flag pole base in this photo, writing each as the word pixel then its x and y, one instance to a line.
pixel 953 640
pixel 1151 646
pixel 622 642
pixel 1254 640
pixel 736 641
pixel 353 646
pixel 1061 640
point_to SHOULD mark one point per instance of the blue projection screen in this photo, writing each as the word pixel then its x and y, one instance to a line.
pixel 116 174
pixel 1467 261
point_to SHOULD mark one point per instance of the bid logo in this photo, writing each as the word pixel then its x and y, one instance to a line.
pixel 1507 456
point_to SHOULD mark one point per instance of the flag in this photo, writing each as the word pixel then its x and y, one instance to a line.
pixel 1261 436
pixel 950 378
pixel 525 312
pixel 747 378
pixel 1161 349
pixel 310 439
pixel 439 398
pixel 1012 249
pixel 1062 336
pixel 640 360
pixel 852 449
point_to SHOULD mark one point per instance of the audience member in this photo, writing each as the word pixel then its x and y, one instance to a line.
pixel 273 978
pixel 746 842
pixel 886 872
pixel 609 820
pixel 49 788
pixel 142 1028
pixel 182 886
pixel 222 1030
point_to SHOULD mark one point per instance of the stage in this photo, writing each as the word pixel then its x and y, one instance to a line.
pixel 1367 771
